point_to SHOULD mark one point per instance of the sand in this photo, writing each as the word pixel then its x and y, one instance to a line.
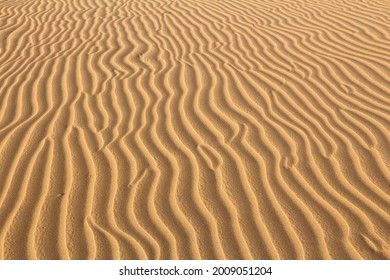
pixel 194 129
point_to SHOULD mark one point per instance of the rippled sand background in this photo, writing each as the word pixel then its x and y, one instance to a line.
pixel 194 129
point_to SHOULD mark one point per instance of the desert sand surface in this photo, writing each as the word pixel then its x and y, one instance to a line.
pixel 194 129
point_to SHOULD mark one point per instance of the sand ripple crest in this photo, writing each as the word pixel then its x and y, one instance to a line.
pixel 194 129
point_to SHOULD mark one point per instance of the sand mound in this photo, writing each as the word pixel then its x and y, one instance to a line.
pixel 194 129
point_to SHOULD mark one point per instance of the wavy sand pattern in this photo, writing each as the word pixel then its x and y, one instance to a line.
pixel 194 129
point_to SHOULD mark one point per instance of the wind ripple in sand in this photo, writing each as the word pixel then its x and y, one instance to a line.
pixel 194 129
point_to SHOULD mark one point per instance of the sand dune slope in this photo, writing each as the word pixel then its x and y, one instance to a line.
pixel 194 129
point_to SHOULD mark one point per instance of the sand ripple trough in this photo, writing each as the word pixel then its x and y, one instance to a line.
pixel 194 129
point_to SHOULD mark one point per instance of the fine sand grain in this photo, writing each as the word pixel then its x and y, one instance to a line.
pixel 194 129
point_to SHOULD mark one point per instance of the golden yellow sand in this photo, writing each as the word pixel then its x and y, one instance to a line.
pixel 194 129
